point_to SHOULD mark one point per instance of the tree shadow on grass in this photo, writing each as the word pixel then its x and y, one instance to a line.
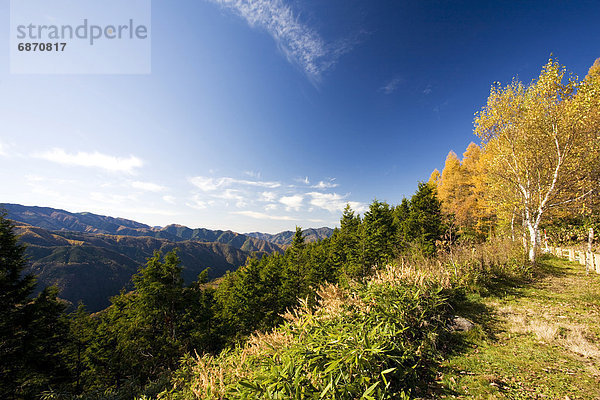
pixel 547 265
pixel 487 322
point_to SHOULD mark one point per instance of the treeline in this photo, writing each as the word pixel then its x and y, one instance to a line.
pixel 257 294
pixel 133 346
pixel 537 171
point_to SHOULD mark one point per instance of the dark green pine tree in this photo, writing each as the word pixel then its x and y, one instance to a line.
pixel 401 215
pixel 15 292
pixel 82 328
pixel 142 335
pixel 424 225
pixel 295 280
pixel 347 244
pixel 46 345
pixel 240 295
pixel 33 331
pixel 298 241
pixel 199 330
pixel 157 308
pixel 379 234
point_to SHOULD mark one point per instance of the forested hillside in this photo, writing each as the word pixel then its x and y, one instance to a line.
pixel 69 250
pixel 286 238
pixel 61 220
pixel 72 261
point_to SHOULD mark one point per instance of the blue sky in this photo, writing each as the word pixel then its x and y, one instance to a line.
pixel 264 115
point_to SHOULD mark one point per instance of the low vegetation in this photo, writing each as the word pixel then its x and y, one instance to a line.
pixel 379 338
pixel 535 339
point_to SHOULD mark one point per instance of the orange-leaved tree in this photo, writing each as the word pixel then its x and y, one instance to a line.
pixel 542 142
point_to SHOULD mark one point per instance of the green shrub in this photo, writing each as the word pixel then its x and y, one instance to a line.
pixel 371 341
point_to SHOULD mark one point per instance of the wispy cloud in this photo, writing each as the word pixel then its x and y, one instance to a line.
pixel 334 202
pixel 259 215
pixel 148 186
pixel 301 44
pixel 304 180
pixel 268 196
pixel 271 207
pixel 94 160
pixel 325 185
pixel 197 203
pixel 292 202
pixel 208 184
pixel 3 151
pixel 270 200
pixel 113 198
pixel 252 174
pixel 169 199
pixel 428 90
pixel 391 86
pixel 440 107
pixel 229 194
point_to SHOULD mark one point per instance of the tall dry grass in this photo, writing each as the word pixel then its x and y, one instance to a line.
pixel 410 288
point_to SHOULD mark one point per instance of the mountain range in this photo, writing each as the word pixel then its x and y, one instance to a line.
pixel 92 257
pixel 285 238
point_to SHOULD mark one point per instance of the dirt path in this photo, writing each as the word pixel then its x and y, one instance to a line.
pixel 537 341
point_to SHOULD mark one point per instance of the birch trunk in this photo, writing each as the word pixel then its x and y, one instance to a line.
pixel 534 241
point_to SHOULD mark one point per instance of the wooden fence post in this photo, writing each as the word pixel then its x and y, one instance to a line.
pixel 589 249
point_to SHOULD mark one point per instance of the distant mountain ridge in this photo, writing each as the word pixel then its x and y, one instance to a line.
pixel 92 257
pixel 92 267
pixel 56 220
pixel 285 238
pixel 61 220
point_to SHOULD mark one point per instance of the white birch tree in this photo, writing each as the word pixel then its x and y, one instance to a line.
pixel 542 143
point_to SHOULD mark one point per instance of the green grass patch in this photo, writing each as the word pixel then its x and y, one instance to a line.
pixel 538 339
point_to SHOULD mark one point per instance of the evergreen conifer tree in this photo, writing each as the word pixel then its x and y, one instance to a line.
pixel 33 331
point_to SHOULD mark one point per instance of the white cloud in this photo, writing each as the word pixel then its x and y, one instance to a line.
pixel 303 180
pixel 208 184
pixel 148 186
pixel 95 160
pixel 428 90
pixel 325 185
pixel 391 86
pixel 252 174
pixel 268 196
pixel 300 44
pixel 334 202
pixel 271 207
pixel 259 215
pixel 3 151
pixel 112 198
pixel 169 199
pixel 265 184
pixel 292 202
pixel 229 194
pixel 196 203
pixel 204 183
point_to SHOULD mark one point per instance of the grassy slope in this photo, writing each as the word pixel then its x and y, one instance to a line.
pixel 533 340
